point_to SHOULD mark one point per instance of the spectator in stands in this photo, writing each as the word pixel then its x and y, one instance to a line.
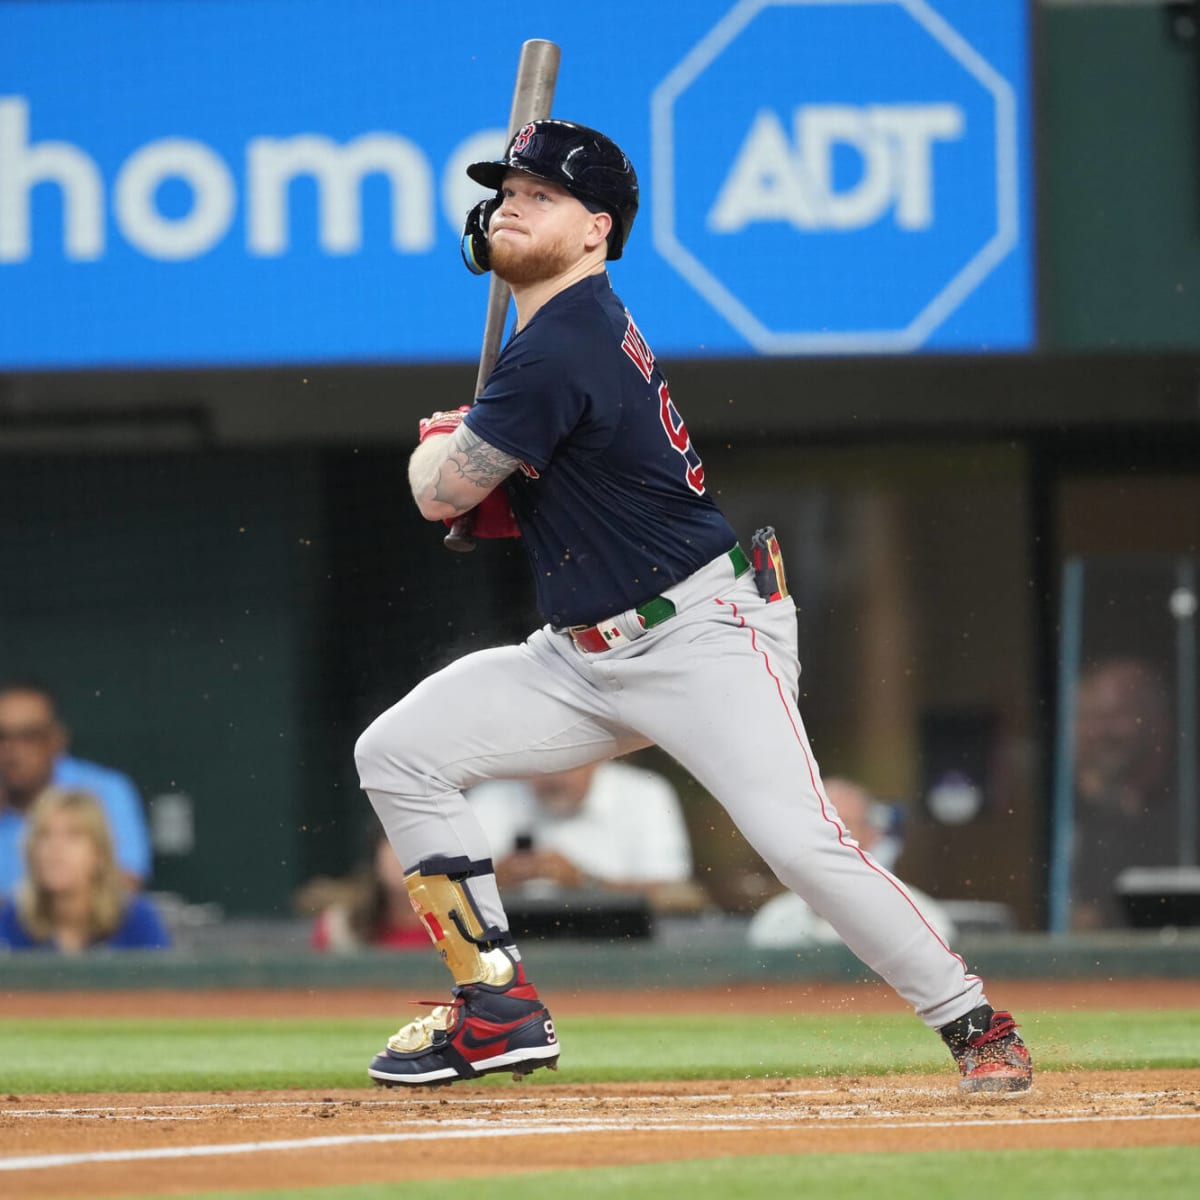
pixel 73 896
pixel 606 825
pixel 370 909
pixel 787 921
pixel 1125 814
pixel 33 756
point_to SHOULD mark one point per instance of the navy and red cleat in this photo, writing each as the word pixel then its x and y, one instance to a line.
pixel 990 1054
pixel 483 1030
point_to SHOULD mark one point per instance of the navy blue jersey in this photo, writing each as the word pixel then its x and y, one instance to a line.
pixel 610 496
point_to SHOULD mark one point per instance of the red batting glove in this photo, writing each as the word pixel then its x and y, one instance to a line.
pixel 442 422
pixel 493 517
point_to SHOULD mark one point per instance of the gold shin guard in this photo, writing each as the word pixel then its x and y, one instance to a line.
pixel 445 908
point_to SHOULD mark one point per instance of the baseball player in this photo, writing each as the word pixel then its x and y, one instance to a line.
pixel 659 630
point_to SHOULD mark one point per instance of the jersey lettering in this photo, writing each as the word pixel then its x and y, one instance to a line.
pixel 636 348
pixel 672 422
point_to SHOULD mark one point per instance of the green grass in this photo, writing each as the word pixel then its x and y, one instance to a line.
pixel 159 1054
pixel 1163 1172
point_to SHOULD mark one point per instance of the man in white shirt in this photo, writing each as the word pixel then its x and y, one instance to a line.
pixel 606 824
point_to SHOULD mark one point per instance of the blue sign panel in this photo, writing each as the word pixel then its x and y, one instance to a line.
pixel 242 182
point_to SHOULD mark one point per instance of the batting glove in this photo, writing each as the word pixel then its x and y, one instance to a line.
pixel 492 517
pixel 441 422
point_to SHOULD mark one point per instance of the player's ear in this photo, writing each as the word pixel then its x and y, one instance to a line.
pixel 598 230
pixel 474 244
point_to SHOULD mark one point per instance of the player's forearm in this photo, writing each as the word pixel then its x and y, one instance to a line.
pixel 450 474
pixel 425 470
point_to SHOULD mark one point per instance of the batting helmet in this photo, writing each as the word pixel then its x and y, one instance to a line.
pixel 593 168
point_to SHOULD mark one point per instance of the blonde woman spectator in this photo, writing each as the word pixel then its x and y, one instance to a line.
pixel 74 896
pixel 34 744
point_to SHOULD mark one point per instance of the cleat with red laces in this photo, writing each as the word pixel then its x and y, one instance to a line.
pixel 990 1054
pixel 486 1028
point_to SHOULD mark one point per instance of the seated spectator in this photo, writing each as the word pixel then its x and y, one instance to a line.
pixel 33 756
pixel 370 909
pixel 73 896
pixel 605 825
pixel 1126 812
pixel 786 921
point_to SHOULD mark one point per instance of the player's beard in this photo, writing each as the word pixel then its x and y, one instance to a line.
pixel 519 263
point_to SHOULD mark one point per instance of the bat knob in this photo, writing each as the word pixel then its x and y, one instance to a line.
pixel 460 538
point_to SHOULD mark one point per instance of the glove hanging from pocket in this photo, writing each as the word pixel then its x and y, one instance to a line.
pixel 769 577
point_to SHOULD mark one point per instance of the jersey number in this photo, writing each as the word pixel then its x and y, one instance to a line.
pixel 672 422
pixel 640 354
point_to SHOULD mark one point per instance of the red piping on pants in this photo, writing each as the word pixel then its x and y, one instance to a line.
pixel 820 795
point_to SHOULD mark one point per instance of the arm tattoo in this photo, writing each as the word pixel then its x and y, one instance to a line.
pixel 473 459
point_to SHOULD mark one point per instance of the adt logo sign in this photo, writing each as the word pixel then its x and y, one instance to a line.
pixel 835 175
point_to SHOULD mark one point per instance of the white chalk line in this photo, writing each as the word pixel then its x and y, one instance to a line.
pixel 35 1162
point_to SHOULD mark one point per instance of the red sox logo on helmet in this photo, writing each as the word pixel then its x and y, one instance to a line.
pixel 522 139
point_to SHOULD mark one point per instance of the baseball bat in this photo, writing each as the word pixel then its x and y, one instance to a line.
pixel 533 94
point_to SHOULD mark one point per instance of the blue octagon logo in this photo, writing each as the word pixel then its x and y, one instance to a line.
pixel 834 176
